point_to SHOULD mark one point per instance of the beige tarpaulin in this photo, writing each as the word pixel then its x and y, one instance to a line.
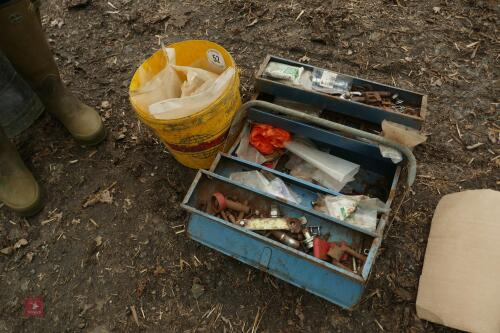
pixel 460 281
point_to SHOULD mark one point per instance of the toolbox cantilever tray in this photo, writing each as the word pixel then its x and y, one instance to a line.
pixel 377 178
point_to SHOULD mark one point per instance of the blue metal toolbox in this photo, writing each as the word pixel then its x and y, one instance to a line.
pixel 350 138
pixel 338 106
pixel 377 177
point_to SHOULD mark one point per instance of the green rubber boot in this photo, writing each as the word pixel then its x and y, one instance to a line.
pixel 18 188
pixel 23 42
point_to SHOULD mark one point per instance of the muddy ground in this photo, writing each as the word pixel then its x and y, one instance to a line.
pixel 94 266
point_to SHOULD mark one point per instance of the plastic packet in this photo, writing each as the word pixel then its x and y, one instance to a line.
pixel 330 82
pixel 335 167
pixel 251 178
pixel 167 97
pixel 161 86
pixel 175 108
pixel 284 72
pixel 393 154
pixel 365 215
pixel 300 169
pixel 340 207
pixel 278 187
pixel 248 152
pixel 306 171
pixel 256 179
pixel 197 80
pixel 325 180
pixel 364 218
pixel 358 210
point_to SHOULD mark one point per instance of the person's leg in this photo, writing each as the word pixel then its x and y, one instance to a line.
pixel 19 108
pixel 23 42
pixel 19 105
pixel 18 188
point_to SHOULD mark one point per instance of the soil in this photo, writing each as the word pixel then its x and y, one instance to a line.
pixel 124 264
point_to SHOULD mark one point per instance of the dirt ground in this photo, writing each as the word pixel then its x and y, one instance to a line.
pixel 99 265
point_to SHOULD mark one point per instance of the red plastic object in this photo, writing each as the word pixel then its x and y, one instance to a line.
pixel 219 201
pixel 266 138
pixel 320 248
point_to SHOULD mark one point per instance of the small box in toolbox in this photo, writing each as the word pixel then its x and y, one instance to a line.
pixel 411 112
pixel 377 177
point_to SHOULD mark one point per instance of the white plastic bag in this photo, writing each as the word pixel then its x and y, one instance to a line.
pixel 164 85
pixel 256 179
pixel 167 97
pixel 335 167
pixel 198 80
pixel 306 171
pixel 175 108
pixel 325 180
pixel 358 210
pixel 278 187
pixel 251 178
pixel 389 152
pixel 340 207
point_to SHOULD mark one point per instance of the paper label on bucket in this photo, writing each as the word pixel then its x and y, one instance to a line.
pixel 215 58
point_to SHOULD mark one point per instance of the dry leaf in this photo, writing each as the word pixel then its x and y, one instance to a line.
pixel 159 270
pixel 21 242
pixel 305 58
pixel 141 286
pixel 134 314
pixel 7 250
pixel 103 196
pixel 253 22
pixel 29 256
pixel 493 135
pixel 53 217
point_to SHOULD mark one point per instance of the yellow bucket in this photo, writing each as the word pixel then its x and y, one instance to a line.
pixel 195 140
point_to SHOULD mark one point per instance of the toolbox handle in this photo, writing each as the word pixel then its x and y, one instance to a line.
pixel 412 163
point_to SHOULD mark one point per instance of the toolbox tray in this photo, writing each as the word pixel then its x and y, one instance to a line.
pixel 269 89
pixel 376 172
pixel 319 277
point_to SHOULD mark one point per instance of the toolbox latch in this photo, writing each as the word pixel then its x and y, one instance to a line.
pixel 265 257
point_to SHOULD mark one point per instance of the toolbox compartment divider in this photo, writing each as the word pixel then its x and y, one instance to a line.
pixel 286 177
pixel 291 204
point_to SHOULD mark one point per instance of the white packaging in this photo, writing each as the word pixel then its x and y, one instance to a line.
pixel 306 171
pixel 284 72
pixel 256 179
pixel 389 152
pixel 167 97
pixel 335 167
pixel 358 210
pixel 175 108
